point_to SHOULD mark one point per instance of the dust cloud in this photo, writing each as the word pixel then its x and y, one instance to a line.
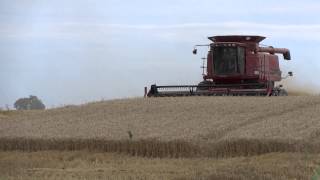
pixel 295 86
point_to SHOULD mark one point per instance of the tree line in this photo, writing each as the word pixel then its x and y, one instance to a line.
pixel 29 103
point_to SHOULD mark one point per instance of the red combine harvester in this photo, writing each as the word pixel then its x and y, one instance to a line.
pixel 236 66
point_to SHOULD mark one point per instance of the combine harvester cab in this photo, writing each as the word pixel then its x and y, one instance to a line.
pixel 236 66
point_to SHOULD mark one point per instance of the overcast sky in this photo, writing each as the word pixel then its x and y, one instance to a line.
pixel 76 51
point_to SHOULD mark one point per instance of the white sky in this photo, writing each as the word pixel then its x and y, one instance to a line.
pixel 75 51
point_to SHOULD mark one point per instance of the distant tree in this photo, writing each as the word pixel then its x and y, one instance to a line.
pixel 29 103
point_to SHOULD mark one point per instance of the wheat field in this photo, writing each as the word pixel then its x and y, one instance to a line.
pixel 238 131
pixel 189 118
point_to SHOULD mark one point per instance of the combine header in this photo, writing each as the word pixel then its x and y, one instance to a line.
pixel 236 66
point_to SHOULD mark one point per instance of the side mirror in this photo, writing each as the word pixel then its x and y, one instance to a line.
pixel 287 56
pixel 290 73
pixel 194 51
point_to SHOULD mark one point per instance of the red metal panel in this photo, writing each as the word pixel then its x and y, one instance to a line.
pixel 251 63
pixel 274 70
pixel 269 68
